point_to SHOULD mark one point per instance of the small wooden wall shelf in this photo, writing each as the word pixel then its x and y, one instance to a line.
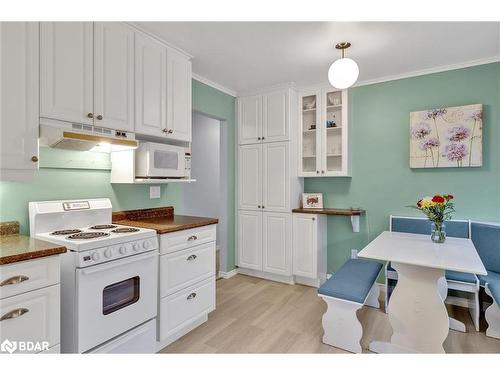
pixel 353 213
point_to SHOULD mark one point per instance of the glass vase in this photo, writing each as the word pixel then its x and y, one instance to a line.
pixel 438 233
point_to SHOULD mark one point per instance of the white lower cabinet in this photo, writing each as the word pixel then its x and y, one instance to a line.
pixel 187 282
pixel 264 241
pixel 30 313
pixel 309 248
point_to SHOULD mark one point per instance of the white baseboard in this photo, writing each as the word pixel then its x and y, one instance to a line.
pixel 267 276
pixel 229 274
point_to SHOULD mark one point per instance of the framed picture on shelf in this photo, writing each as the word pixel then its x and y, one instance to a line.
pixel 312 200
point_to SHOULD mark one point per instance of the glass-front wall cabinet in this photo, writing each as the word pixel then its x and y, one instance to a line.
pixel 323 138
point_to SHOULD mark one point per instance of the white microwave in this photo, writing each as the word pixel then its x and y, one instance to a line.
pixel 156 160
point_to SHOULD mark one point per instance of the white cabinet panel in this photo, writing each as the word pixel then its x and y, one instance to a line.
pixel 276 243
pixel 276 177
pixel 150 86
pixel 179 96
pixel 175 241
pixel 250 239
pixel 249 119
pixel 114 76
pixel 19 89
pixel 250 176
pixel 305 234
pixel 275 123
pixel 66 71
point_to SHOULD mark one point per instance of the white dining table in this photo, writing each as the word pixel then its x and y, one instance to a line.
pixel 417 312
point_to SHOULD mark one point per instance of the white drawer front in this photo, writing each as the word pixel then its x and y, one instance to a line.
pixel 21 277
pixel 181 308
pixel 183 268
pixel 56 349
pixel 183 239
pixel 39 320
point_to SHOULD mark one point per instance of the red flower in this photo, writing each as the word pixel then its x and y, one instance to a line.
pixel 419 203
pixel 438 199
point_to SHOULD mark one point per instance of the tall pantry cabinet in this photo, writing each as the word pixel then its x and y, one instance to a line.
pixel 267 183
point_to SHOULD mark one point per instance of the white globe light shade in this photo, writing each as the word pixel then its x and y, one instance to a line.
pixel 343 73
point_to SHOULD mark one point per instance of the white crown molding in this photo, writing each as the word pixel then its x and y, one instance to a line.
pixel 264 89
pixel 215 85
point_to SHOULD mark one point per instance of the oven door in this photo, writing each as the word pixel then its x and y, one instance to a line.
pixel 114 297
pixel 166 161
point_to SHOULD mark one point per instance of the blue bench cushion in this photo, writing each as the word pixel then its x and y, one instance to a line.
pixel 462 277
pixel 352 281
pixel 486 239
pixel 454 228
pixel 491 277
pixel 495 291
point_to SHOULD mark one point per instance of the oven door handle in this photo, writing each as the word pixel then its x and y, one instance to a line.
pixel 118 263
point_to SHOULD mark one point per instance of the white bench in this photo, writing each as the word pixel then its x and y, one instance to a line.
pixel 351 287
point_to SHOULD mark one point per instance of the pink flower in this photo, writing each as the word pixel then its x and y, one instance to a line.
pixel 477 115
pixel 455 151
pixel 428 144
pixel 458 133
pixel 420 130
pixel 433 113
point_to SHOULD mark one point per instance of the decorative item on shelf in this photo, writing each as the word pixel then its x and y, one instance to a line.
pixel 312 127
pixel 312 200
pixel 333 99
pixel 309 104
pixel 447 137
pixel 336 101
pixel 344 72
pixel 438 209
pixel 331 123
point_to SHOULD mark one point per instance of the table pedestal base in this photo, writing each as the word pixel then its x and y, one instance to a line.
pixel 455 325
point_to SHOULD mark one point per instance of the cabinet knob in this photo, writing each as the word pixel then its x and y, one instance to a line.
pixel 322 171
pixel 313 219
pixel 99 117
pixel 258 138
pixel 317 172
pixel 164 130
pixel 263 138
pixel 34 159
pixel 263 207
pixel 90 115
pixel 170 131
pixel 258 206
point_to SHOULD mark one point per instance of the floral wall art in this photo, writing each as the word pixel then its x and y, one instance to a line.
pixel 447 137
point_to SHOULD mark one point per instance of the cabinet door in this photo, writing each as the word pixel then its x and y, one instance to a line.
pixel 250 239
pixel 275 121
pixel 305 252
pixel 18 98
pixel 249 177
pixel 276 246
pixel 310 141
pixel 66 71
pixel 249 119
pixel 150 86
pixel 114 76
pixel 179 96
pixel 276 177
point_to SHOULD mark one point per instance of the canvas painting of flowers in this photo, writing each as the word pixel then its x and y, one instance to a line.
pixel 447 137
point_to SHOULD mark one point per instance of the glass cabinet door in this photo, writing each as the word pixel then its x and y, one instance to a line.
pixel 332 133
pixel 310 139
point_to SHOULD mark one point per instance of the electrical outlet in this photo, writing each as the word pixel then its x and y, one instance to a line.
pixel 154 192
pixel 354 253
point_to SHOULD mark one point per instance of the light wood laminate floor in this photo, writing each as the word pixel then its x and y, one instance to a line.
pixel 261 316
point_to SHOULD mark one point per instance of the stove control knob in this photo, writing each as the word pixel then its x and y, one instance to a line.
pixel 136 247
pixel 108 253
pixel 95 257
pixel 122 250
pixel 146 244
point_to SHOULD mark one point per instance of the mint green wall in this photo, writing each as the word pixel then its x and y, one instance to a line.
pixel 73 175
pixel 382 182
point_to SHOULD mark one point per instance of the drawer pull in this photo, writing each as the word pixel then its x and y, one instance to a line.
pixel 191 296
pixel 192 238
pixel 14 280
pixel 14 314
pixel 191 257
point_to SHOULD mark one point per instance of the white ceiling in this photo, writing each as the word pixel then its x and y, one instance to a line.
pixel 247 55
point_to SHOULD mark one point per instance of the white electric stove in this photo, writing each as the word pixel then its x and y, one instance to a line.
pixel 109 276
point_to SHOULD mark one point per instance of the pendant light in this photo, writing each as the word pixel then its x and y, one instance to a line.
pixel 344 72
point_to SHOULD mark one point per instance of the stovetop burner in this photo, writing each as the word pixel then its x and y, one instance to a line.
pixel 125 230
pixel 87 235
pixel 103 226
pixel 65 232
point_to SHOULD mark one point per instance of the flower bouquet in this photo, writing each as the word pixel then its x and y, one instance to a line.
pixel 438 209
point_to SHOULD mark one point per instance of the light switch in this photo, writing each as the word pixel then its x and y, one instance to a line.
pixel 154 192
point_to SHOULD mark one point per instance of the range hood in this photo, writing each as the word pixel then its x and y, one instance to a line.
pixel 82 137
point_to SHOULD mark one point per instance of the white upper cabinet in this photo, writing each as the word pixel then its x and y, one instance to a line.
pixel 275 123
pixel 150 86
pixel 249 177
pixel 19 42
pixel 114 76
pixel 276 177
pixel 179 96
pixel 249 119
pixel 66 71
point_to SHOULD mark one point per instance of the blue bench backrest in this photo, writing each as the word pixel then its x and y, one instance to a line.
pixel 486 239
pixel 454 228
